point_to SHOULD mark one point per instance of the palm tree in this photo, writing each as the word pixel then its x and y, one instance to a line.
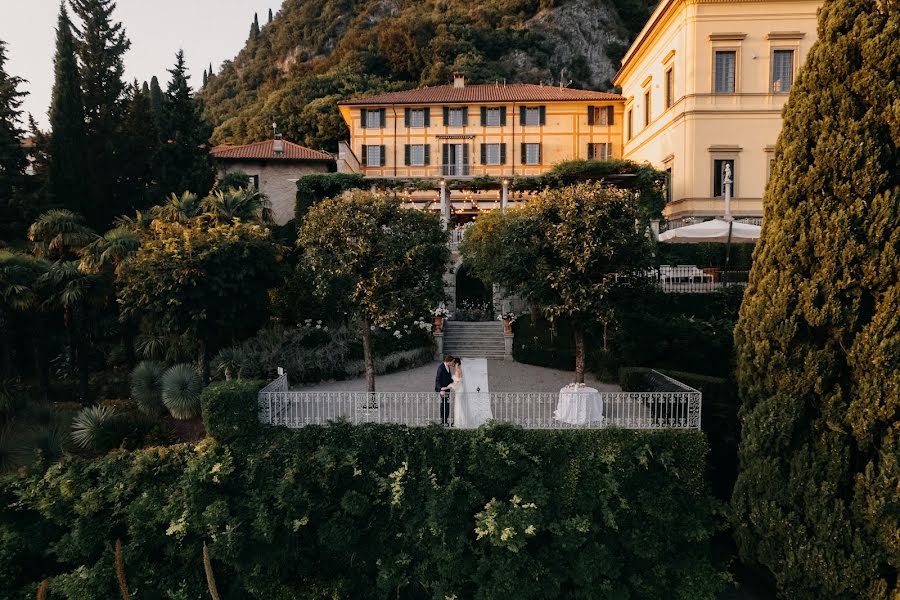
pixel 60 234
pixel 104 257
pixel 21 294
pixel 73 291
pixel 178 209
pixel 246 204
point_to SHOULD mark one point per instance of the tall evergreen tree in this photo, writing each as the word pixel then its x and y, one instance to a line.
pixel 141 144
pixel 157 101
pixel 13 158
pixel 270 15
pixel 818 340
pixel 205 77
pixel 254 27
pixel 185 154
pixel 101 46
pixel 67 153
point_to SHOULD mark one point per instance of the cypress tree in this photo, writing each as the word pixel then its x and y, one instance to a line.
pixel 205 78
pixel 141 144
pixel 156 102
pixel 13 158
pixel 254 27
pixel 270 15
pixel 67 153
pixel 818 340
pixel 101 46
pixel 185 154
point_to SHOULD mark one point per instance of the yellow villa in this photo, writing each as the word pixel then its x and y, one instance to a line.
pixel 465 130
pixel 705 82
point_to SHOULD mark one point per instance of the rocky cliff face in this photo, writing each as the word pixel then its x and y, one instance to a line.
pixel 317 52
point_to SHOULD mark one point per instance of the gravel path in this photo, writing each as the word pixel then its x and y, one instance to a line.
pixel 503 376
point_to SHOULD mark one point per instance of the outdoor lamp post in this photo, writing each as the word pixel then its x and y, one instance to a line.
pixel 445 207
pixel 504 196
pixel 728 218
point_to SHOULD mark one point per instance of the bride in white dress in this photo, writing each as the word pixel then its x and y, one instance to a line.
pixel 470 409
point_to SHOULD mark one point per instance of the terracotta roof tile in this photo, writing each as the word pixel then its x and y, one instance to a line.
pixel 265 151
pixel 488 92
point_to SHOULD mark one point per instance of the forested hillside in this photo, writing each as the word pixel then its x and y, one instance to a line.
pixel 294 69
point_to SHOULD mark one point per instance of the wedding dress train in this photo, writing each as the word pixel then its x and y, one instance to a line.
pixel 470 409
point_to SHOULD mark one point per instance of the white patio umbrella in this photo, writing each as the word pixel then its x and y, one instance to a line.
pixel 723 231
pixel 716 231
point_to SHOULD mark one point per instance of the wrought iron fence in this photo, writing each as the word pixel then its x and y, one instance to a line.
pixel 531 410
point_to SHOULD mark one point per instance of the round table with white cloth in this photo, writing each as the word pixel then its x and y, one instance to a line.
pixel 579 405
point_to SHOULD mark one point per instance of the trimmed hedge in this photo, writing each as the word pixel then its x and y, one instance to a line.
pixel 374 512
pixel 230 408
pixel 719 419
pixel 312 189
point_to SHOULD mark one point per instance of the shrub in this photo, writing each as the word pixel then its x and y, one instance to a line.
pixel 230 409
pixel 230 362
pixel 181 391
pixel 89 427
pixel 425 512
pixel 146 386
pixel 312 189
pixel 719 419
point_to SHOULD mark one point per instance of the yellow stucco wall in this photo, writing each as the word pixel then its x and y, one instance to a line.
pixel 700 125
pixel 565 135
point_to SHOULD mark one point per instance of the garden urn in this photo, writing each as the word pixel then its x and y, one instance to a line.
pixel 507 326
pixel 438 324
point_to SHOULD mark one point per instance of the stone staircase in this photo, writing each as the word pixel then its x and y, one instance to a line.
pixel 474 339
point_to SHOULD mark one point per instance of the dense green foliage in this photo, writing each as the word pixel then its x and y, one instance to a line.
pixel 12 156
pixel 560 251
pixel 719 419
pixel 67 157
pixel 294 70
pixel 230 409
pixel 383 264
pixel 373 511
pixel 648 328
pixel 818 340
pixel 180 386
pixel 312 189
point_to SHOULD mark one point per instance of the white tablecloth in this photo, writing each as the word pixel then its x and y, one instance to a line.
pixel 579 407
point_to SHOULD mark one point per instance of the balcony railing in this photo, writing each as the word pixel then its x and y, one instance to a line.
pixel 531 410
pixel 692 279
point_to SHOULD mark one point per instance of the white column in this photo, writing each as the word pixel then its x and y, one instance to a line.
pixel 445 205
pixel 728 182
pixel 504 195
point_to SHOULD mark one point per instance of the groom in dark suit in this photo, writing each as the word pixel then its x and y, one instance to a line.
pixel 442 379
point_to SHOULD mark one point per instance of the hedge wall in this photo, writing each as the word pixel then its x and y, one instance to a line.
pixel 719 420
pixel 373 512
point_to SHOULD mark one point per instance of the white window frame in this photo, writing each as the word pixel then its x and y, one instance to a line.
pixel 417 118
pixel 376 148
pixel 373 119
pixel 530 159
pixel 417 155
pixel 492 117
pixel 455 116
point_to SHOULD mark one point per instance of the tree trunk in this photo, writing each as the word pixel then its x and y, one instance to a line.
pixel 367 355
pixel 6 342
pixel 42 368
pixel 203 361
pixel 81 356
pixel 579 355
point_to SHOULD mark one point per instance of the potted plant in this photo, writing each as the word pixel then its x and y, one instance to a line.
pixel 508 319
pixel 439 314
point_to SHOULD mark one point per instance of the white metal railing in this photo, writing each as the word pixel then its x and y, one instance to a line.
pixel 456 236
pixel 531 410
pixel 690 278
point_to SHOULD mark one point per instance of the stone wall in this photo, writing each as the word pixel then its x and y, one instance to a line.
pixel 277 180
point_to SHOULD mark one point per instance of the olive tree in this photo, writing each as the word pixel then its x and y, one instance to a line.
pixel 384 263
pixel 566 251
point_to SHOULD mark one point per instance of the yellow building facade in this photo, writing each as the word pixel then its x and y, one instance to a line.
pixel 462 130
pixel 704 85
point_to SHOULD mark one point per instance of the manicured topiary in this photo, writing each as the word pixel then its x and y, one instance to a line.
pixel 230 408
pixel 818 340
pixel 146 386
pixel 181 389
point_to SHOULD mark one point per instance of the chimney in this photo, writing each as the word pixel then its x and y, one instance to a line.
pixel 459 79
pixel 278 146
